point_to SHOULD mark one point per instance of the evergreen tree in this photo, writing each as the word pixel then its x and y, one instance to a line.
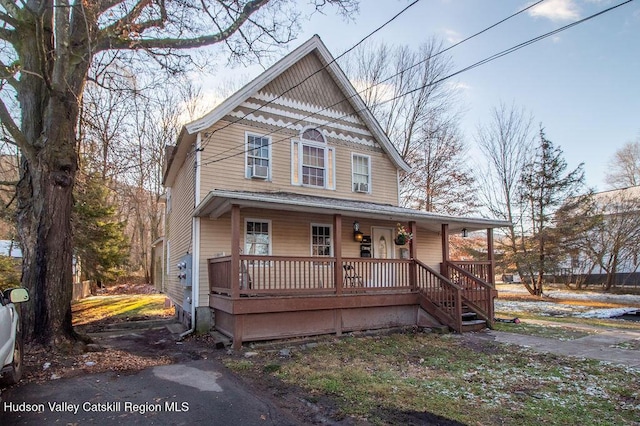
pixel 544 187
pixel 100 242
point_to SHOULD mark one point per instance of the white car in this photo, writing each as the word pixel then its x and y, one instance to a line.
pixel 11 336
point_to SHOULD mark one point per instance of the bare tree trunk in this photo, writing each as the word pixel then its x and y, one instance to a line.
pixel 44 211
pixel 49 101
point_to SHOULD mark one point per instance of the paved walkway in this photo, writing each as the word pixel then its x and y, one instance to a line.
pixel 602 345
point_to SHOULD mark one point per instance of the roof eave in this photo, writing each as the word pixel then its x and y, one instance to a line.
pixel 219 202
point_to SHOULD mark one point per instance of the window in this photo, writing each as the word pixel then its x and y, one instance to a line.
pixel 313 135
pixel 313 166
pixel 257 239
pixel 312 162
pixel 321 240
pixel 361 173
pixel 258 156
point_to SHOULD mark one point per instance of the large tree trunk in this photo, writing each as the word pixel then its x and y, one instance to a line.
pixel 49 98
pixel 45 202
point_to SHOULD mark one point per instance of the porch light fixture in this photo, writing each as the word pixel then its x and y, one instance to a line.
pixel 357 235
pixel 465 232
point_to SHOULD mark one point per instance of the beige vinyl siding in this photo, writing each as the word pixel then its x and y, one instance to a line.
pixel 429 248
pixel 229 173
pixel 180 226
pixel 319 89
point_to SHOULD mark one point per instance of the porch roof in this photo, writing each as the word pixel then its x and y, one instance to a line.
pixel 218 202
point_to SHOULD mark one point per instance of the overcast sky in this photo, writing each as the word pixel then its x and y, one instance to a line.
pixel 582 85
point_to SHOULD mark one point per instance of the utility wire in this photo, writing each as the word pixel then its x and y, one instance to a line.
pixel 393 18
pixel 468 68
pixel 367 88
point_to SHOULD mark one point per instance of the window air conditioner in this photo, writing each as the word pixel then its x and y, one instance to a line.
pixel 362 187
pixel 259 172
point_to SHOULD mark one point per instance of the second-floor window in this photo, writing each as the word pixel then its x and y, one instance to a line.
pixel 258 160
pixel 361 173
pixel 312 161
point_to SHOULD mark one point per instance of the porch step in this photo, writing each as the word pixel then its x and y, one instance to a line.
pixel 469 316
pixel 473 325
pixel 220 341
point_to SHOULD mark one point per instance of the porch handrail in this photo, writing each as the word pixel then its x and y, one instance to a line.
pixel 476 293
pixel 440 297
pixel 478 268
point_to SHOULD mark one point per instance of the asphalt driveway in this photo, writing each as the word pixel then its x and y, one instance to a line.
pixel 194 392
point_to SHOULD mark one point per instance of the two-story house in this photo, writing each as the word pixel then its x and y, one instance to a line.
pixel 283 217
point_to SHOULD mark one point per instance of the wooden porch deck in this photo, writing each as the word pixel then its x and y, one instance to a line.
pixel 272 297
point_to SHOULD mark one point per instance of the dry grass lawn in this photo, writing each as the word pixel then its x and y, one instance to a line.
pixel 115 308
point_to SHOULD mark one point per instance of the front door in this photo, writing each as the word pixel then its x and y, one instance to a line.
pixel 383 248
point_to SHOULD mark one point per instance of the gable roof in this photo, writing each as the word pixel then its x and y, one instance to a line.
pixel 189 131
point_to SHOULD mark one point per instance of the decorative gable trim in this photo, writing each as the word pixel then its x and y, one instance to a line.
pixel 302 117
pixel 300 126
pixel 303 106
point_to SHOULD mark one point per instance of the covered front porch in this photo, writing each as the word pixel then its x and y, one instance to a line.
pixel 279 296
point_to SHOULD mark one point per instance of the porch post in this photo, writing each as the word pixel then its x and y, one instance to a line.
pixel 445 250
pixel 413 255
pixel 235 251
pixel 337 247
pixel 490 258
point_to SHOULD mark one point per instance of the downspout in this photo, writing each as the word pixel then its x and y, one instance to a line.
pixel 195 237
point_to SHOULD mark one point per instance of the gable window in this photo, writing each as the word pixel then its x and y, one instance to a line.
pixel 258 156
pixel 257 237
pixel 321 243
pixel 312 161
pixel 361 173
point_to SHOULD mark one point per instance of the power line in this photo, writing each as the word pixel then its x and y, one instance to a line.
pixel 468 68
pixel 393 18
pixel 368 88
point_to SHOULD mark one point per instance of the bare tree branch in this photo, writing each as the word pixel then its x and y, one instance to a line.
pixel 12 128
pixel 108 40
pixel 10 7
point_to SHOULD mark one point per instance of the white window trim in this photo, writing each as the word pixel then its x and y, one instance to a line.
pixel 246 153
pixel 268 222
pixel 368 157
pixel 169 200
pixel 332 239
pixel 303 142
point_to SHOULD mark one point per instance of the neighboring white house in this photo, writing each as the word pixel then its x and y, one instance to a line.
pixel 613 245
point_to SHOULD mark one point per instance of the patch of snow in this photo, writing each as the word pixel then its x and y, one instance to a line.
pixel 588 295
pixel 606 313
pixel 552 309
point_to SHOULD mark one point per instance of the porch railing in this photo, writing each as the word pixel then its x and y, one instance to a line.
pixel 442 298
pixel 219 269
pixel 375 274
pixel 308 275
pixel 480 269
pixel 477 293
pixel 280 274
